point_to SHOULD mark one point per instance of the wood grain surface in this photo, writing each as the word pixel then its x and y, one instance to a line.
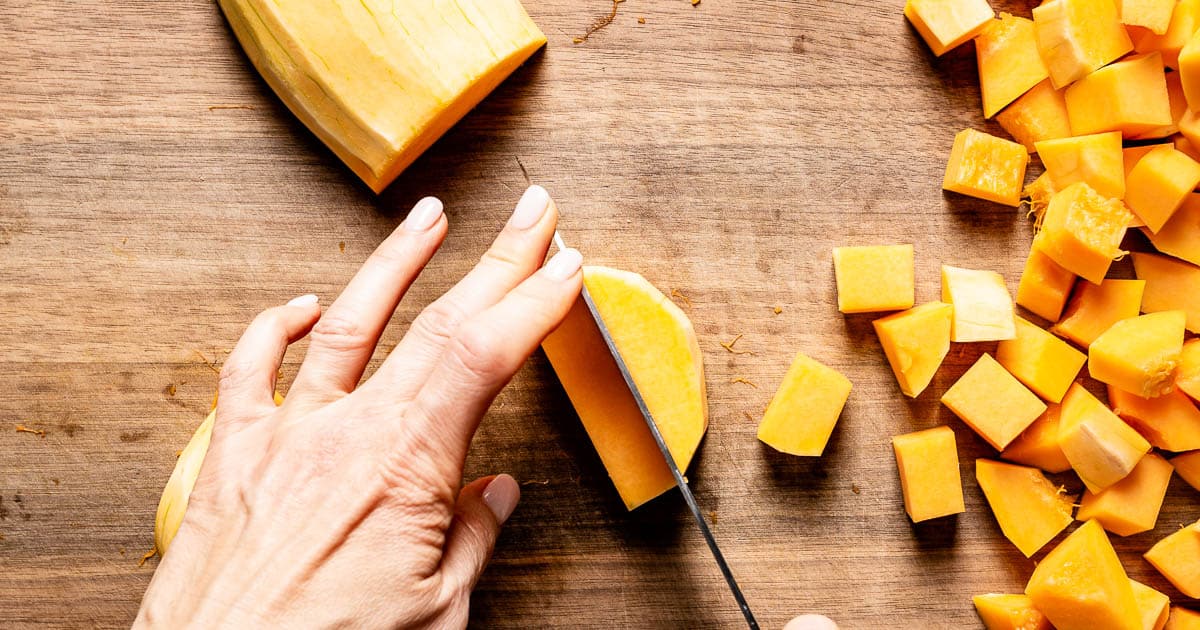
pixel 155 195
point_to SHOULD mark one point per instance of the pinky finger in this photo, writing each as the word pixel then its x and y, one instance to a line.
pixel 247 384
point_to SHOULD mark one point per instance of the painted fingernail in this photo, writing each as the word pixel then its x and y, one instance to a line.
pixel 304 300
pixel 424 215
pixel 564 264
pixel 530 208
pixel 501 496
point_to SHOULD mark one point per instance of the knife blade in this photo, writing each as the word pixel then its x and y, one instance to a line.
pixel 680 481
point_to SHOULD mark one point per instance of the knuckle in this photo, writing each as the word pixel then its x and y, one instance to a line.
pixel 340 333
pixel 235 372
pixel 501 257
pixel 440 319
pixel 479 353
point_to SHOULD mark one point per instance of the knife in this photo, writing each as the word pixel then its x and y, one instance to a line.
pixel 680 482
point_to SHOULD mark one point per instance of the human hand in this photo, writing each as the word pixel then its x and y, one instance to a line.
pixel 811 622
pixel 342 506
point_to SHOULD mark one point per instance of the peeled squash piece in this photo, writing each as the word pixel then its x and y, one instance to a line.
pixel 1076 37
pixel 1170 422
pixel 1081 585
pixel 175 496
pixel 1094 308
pixel 1045 286
pixel 1030 509
pixel 1009 63
pixel 929 477
pixel 804 411
pixel 1009 612
pixel 1183 619
pixel 1096 159
pixel 1082 231
pixel 659 346
pixel 1153 605
pixel 915 342
pixel 1131 505
pixel 1100 446
pixel 1188 467
pixel 1038 445
pixel 1170 285
pixel 984 166
pixel 1040 114
pixel 1177 557
pixel 1140 354
pixel 379 82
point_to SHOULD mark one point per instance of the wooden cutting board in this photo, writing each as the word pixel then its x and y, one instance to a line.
pixel 155 195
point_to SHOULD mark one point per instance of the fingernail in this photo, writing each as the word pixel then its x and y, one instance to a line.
pixel 530 208
pixel 564 264
pixel 424 215
pixel 501 496
pixel 304 300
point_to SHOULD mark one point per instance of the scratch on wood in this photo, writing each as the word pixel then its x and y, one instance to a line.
pixel 602 22
pixel 524 172
pixel 213 108
pixel 24 429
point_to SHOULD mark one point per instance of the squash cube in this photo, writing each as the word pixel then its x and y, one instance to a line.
pixel 1180 235
pixel 1081 585
pixel 929 475
pixel 1009 612
pixel 945 24
pixel 1030 509
pixel 1139 355
pixel 1188 467
pixel 993 402
pixel 1038 446
pixel 659 346
pixel 1129 96
pixel 1170 285
pixel 1159 184
pixel 1170 422
pixel 915 342
pixel 1082 231
pixel 1189 70
pixel 1044 363
pixel 1131 505
pixel 1183 619
pixel 987 167
pixel 1187 377
pixel 1179 109
pixel 1154 15
pixel 1039 192
pixel 1009 63
pixel 1184 146
pixel 1177 557
pixel 1096 159
pixel 1185 19
pixel 1133 154
pixel 983 308
pixel 1039 114
pixel 1045 286
pixel 805 409
pixel 1096 307
pixel 1155 607
pixel 877 278
pixel 1076 37
pixel 1101 448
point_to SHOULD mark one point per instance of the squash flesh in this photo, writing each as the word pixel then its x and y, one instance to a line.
pixel 1170 422
pixel 1081 585
pixel 1159 184
pixel 1100 446
pixel 1129 96
pixel 1140 354
pixel 1096 307
pixel 1009 63
pixel 1030 509
pixel 1009 612
pixel 987 167
pixel 1082 231
pixel 1044 363
pixel 1096 159
pixel 805 409
pixel 993 402
pixel 659 346
pixel 946 24
pixel 983 308
pixel 1077 37
pixel 1039 114
pixel 1131 505
pixel 1177 558
pixel 1037 445
pixel 874 278
pixel 1045 286
pixel 929 475
pixel 915 343
pixel 1170 286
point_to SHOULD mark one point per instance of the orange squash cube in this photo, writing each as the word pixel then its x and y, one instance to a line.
pixel 1009 612
pixel 915 342
pixel 1082 231
pixel 1159 184
pixel 1185 146
pixel 1155 607
pixel 1039 114
pixel 1188 467
pixel 1133 154
pixel 1183 619
pixel 1185 19
pixel 1009 63
pixel 1131 505
pixel 993 402
pixel 983 308
pixel 1154 15
pixel 929 476
pixel 1189 70
pixel 1038 446
pixel 1096 159
pixel 1044 286
pixel 1101 448
pixel 987 167
pixel 1039 192
pixel 805 409
pixel 1177 557
pixel 945 24
pixel 1030 509
pixel 1081 585
pixel 1140 354
pixel 1044 363
pixel 1170 422
pixel 1096 307
pixel 1180 235
pixel 875 278
pixel 1129 96
pixel 1076 37
pixel 1187 376
pixel 1179 109
pixel 1170 285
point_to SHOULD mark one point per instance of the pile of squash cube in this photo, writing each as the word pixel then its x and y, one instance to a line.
pixel 1106 94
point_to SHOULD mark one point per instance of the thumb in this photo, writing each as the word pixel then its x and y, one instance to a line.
pixel 811 622
pixel 483 506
